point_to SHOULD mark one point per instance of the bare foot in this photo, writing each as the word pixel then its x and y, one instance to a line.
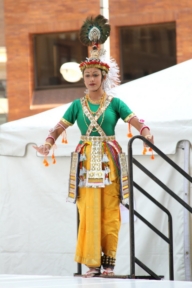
pixel 92 272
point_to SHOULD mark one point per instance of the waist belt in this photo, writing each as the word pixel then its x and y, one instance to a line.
pixel 97 138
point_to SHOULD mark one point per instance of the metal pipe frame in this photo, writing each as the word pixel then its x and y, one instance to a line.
pixel 132 160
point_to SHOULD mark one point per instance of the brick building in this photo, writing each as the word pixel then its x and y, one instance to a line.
pixel 3 100
pixel 146 36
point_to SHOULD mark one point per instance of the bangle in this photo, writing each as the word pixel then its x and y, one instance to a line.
pixel 143 129
pixel 129 121
pixel 61 125
pixel 51 137
pixel 47 143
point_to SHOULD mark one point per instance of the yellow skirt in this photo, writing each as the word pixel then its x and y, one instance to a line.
pixel 99 219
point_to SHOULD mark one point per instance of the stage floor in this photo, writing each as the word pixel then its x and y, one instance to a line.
pixel 19 281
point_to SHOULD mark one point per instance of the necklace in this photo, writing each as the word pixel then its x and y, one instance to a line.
pixel 102 101
pixel 94 101
pixel 92 112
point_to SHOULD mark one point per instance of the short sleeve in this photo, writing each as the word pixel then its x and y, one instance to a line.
pixel 70 115
pixel 122 109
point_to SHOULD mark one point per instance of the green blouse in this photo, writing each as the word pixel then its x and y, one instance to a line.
pixel 115 110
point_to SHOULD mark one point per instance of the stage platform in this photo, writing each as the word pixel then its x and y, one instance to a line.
pixel 19 281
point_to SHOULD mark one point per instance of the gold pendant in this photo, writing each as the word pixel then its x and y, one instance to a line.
pixel 95 179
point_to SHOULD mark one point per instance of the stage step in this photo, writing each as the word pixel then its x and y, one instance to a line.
pixel 147 277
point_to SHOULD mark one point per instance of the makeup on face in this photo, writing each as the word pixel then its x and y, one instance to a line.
pixel 92 78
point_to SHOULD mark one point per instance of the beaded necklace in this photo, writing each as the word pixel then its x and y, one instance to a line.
pixel 94 101
pixel 101 102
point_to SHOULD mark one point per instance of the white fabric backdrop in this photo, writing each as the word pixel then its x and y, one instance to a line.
pixel 38 227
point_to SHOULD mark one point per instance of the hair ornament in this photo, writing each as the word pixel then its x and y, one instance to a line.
pixel 93 32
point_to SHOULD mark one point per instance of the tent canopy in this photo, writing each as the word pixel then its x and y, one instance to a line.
pixel 38 226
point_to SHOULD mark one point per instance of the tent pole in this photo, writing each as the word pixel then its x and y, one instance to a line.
pixel 185 145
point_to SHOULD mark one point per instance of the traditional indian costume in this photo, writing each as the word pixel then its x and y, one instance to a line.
pixel 98 177
pixel 98 174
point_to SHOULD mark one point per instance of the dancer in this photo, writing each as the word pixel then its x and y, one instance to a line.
pixel 98 173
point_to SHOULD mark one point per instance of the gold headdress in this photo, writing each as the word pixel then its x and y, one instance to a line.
pixel 93 32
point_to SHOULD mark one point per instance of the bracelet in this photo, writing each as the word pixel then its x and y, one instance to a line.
pixel 143 129
pixel 62 126
pixel 47 143
pixel 51 137
pixel 129 121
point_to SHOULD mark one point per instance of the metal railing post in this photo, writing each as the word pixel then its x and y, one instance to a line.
pixel 131 214
pixel 79 266
pixel 169 240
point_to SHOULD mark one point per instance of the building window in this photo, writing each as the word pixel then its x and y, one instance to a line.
pixel 147 49
pixel 51 51
pixel 3 102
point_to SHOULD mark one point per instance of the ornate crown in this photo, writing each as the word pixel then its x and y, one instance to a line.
pixel 95 31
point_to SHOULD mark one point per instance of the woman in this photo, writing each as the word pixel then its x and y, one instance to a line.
pixel 102 175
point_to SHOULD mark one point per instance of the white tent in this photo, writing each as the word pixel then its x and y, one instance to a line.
pixel 38 227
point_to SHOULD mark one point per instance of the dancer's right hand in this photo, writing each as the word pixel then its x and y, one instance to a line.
pixel 43 149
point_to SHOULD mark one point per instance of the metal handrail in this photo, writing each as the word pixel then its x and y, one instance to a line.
pixel 160 183
pixel 166 239
pixel 79 266
pixel 132 160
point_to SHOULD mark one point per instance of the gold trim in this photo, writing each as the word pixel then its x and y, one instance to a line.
pixel 71 195
pixel 128 118
pixel 95 102
pixel 97 138
pixel 124 177
pixel 66 122
pixel 93 119
pixel 73 179
pixel 100 65
pixel 95 176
